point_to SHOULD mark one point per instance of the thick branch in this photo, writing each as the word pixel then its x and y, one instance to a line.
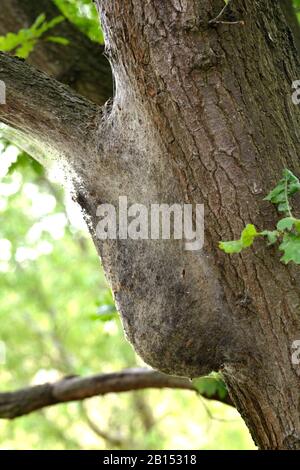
pixel 44 110
pixel 80 65
pixel 26 400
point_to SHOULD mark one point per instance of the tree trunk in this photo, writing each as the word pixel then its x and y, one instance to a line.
pixel 202 114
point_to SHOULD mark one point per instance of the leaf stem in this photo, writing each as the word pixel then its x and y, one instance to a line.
pixel 286 196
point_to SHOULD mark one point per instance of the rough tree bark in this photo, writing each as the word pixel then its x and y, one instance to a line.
pixel 202 114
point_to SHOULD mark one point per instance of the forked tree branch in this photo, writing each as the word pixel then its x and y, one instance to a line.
pixel 26 400
pixel 44 110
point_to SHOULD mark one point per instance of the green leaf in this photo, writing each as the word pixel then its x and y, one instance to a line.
pixel 25 161
pixel 58 40
pixel 297 225
pixel 11 41
pixel 272 236
pixel 210 385
pixel 104 317
pixel 84 15
pixel 105 313
pixel 291 248
pixel 55 21
pixel 40 19
pixel 248 235
pixel 23 42
pixel 247 238
pixel 286 187
pixel 283 207
pixel 230 247
pixel 286 224
pixel 25 49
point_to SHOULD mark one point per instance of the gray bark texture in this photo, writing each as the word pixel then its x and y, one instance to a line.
pixel 202 114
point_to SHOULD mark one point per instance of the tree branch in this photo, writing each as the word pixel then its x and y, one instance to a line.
pixel 26 400
pixel 112 440
pixel 80 65
pixel 44 110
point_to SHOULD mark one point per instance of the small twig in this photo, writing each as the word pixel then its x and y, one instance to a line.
pixel 211 415
pixel 287 197
pixel 229 22
pixel 112 440
pixel 217 20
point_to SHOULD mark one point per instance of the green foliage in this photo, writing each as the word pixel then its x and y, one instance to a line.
pixel 287 229
pixel 211 385
pixel 236 246
pixel 84 15
pixel 286 187
pixel 291 247
pixel 58 40
pixel 105 308
pixel 23 42
pixel 297 8
pixel 24 162
pixel 271 235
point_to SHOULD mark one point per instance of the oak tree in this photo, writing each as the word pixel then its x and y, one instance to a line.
pixel 201 113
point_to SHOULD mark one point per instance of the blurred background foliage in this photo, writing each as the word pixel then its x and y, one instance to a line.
pixel 84 15
pixel 58 317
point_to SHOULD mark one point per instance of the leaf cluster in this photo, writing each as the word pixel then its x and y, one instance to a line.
pixel 287 231
pixel 23 42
